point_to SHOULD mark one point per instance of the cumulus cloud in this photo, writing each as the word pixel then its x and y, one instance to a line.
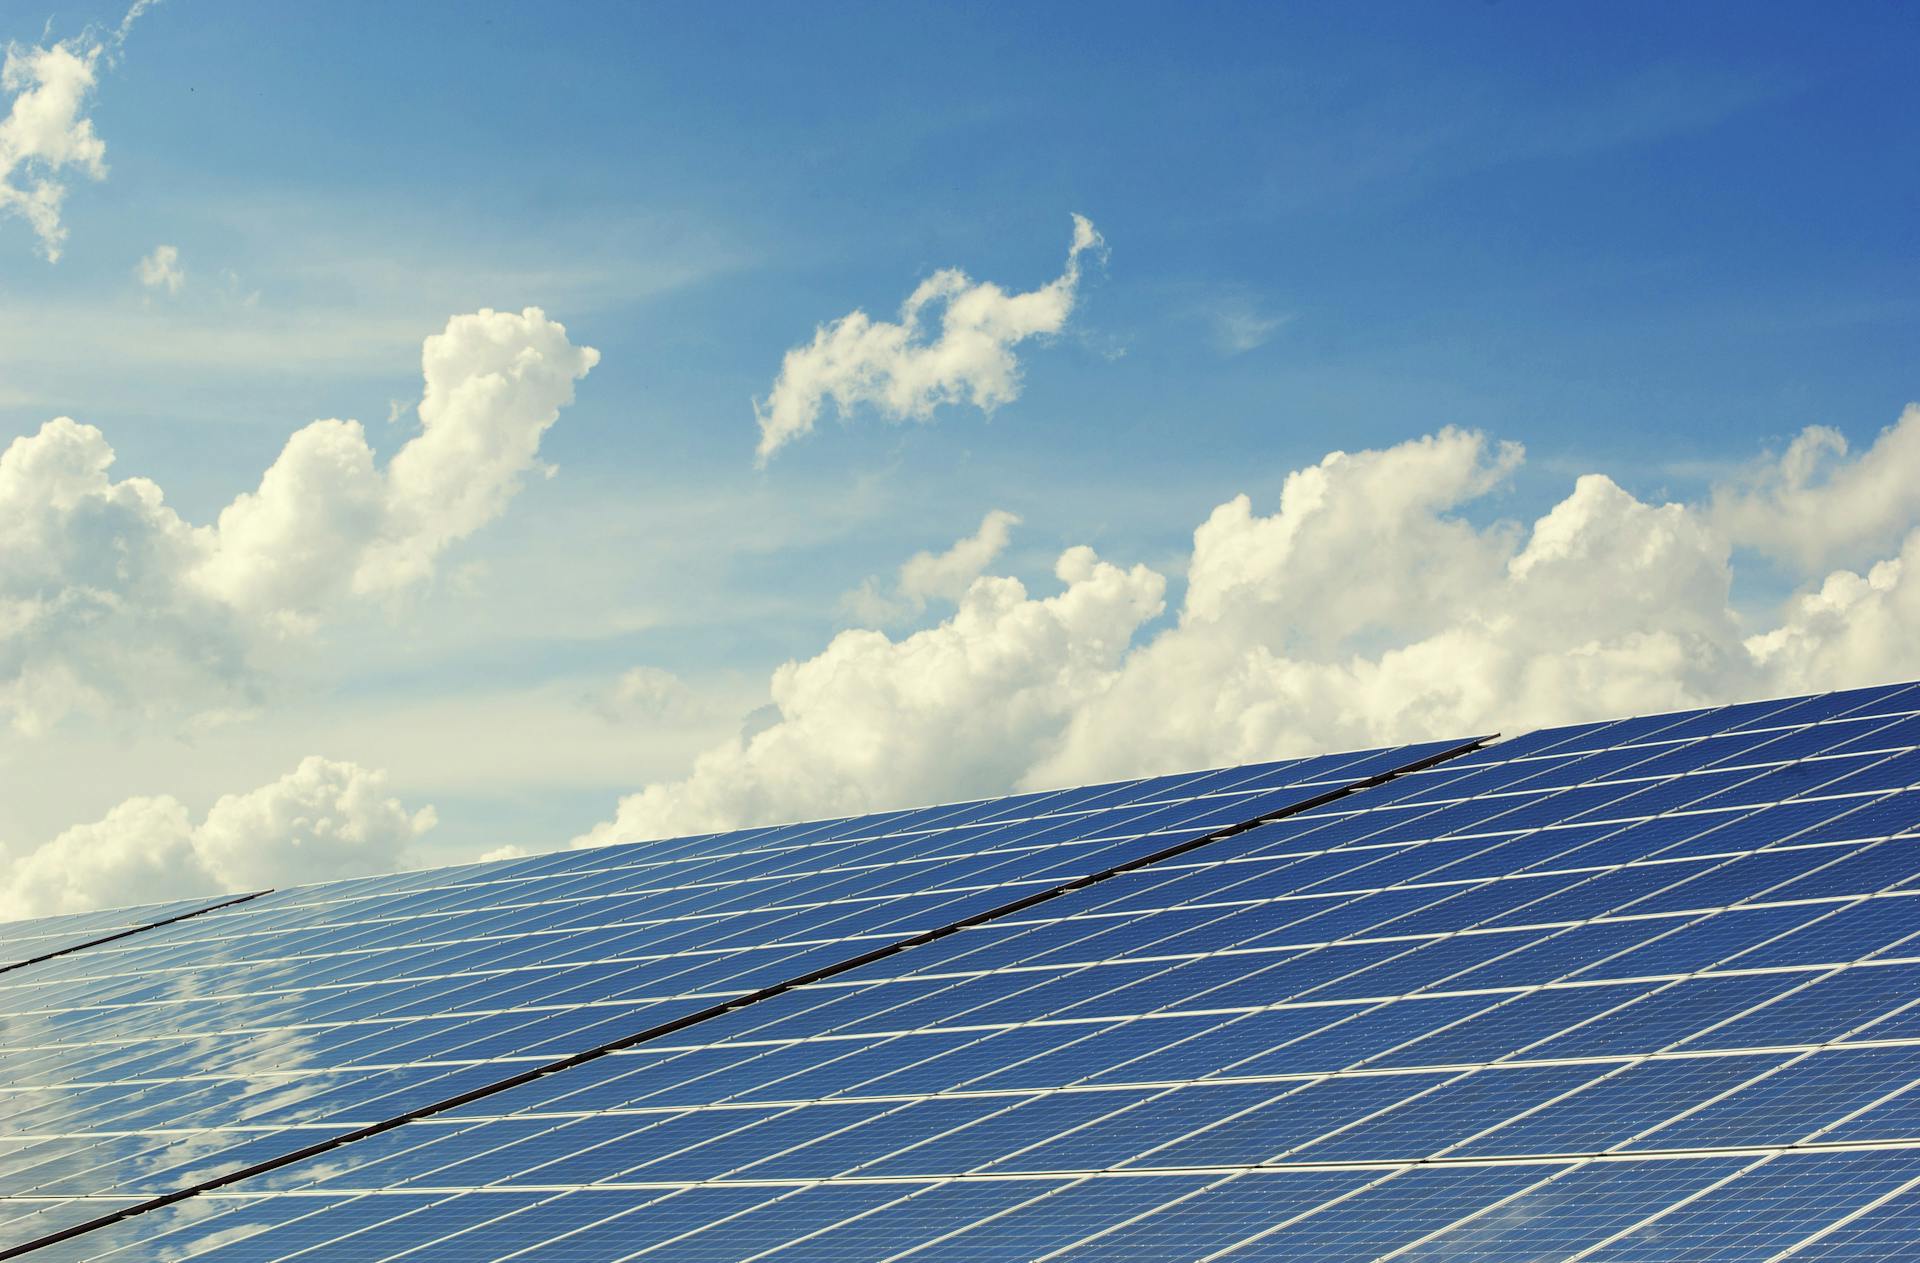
pixel 1606 606
pixel 1379 599
pixel 1296 569
pixel 322 820
pixel 965 706
pixel 895 368
pixel 1811 507
pixel 162 270
pixel 107 594
pixel 1851 627
pixel 46 133
pixel 929 576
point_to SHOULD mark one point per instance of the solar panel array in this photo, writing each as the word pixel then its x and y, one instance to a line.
pixel 284 1023
pixel 1629 991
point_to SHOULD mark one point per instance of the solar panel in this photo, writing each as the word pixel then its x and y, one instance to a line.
pixel 1640 990
pixel 42 938
pixel 282 1023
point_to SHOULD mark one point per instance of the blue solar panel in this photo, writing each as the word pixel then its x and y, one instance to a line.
pixel 184 1053
pixel 24 943
pixel 1642 990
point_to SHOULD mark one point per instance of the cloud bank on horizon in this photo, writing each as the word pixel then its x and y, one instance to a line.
pixel 323 819
pixel 1364 609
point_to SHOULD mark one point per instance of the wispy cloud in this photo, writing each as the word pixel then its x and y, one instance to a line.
pixel 1240 323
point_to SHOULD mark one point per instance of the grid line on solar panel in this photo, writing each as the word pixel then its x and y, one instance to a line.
pixel 807 1223
pixel 1706 1055
pixel 1087 966
pixel 1840 1225
pixel 1908 1147
pixel 1169 841
pixel 522 1225
pixel 1677 1206
pixel 25 943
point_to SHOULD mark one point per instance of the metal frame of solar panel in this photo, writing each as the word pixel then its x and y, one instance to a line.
pixel 1641 990
pixel 170 1058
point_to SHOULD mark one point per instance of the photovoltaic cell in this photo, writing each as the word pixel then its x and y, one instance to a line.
pixel 1640 990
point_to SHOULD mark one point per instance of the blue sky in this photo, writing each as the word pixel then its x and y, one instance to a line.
pixel 1650 241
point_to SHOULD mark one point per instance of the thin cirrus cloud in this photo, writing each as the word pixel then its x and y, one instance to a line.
pixel 1606 604
pixel 1240 324
pixel 900 371
pixel 109 599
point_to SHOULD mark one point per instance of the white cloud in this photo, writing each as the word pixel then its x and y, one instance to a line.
pixel 1606 606
pixel 645 695
pixel 929 576
pixel 1373 604
pixel 46 133
pixel 1851 627
pixel 967 705
pixel 1239 324
pixel 322 820
pixel 897 370
pixel 107 595
pixel 162 270
pixel 131 16
pixel 1241 331
pixel 1813 508
pixel 1330 567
